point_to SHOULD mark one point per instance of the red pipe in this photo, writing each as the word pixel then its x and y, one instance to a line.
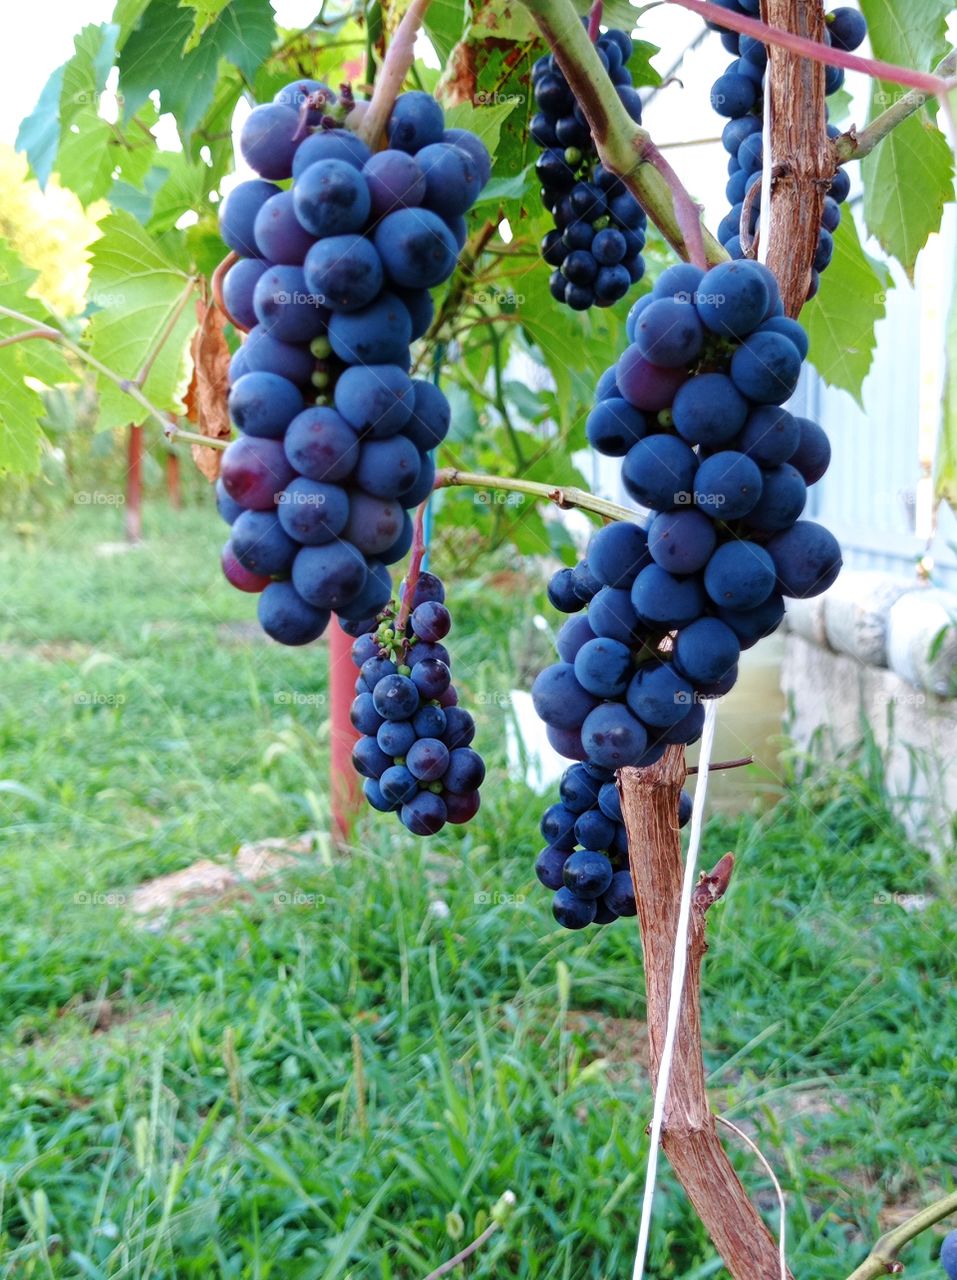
pixel 134 484
pixel 343 781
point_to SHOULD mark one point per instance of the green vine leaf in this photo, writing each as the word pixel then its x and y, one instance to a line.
pixel 21 406
pixel 138 290
pixel 155 55
pixel 840 321
pixel 908 179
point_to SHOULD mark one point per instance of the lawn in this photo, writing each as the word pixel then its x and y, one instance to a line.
pixel 337 1072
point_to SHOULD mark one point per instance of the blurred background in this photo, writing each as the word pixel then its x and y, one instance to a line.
pixel 231 1049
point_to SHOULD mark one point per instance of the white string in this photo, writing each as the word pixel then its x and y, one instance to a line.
pixel 765 211
pixel 678 969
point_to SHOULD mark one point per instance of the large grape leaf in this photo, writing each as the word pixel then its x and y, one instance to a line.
pixel 945 470
pixel 912 35
pixel 39 134
pixel 67 107
pixel 85 158
pixel 909 177
pixel 85 75
pixel 138 290
pixel 155 55
pixel 445 24
pixel 485 121
pixel 840 320
pixel 21 408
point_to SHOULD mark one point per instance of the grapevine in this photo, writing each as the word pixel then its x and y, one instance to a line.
pixel 332 283
pixel 415 752
pixel 599 233
pixel 661 609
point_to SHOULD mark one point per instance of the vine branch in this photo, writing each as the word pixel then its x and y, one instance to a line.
pixel 649 803
pixel 883 1258
pixel 855 145
pixel 927 81
pixel 562 497
pixel 395 67
pixel 50 334
pixel 623 146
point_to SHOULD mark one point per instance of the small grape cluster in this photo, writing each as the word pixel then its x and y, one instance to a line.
pixel 333 284
pixel 414 753
pixel 599 233
pixel 586 858
pixel 739 95
pixel 693 410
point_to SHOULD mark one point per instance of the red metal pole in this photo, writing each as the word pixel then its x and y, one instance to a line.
pixel 134 485
pixel 173 490
pixel 343 780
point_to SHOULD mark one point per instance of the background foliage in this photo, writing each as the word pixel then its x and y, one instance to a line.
pixel 176 71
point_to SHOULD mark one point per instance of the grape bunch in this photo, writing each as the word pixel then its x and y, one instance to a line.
pixel 599 233
pixel 586 858
pixel 414 753
pixel 662 609
pixel 738 94
pixel 333 283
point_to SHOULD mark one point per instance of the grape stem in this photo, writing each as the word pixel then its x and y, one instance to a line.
pixel 169 325
pixel 854 145
pixel 687 210
pixel 216 285
pixel 173 432
pixel 930 82
pixel 415 569
pixel 623 146
pixel 883 1258
pixel 594 20
pixel 725 764
pixel 564 497
pixel 395 67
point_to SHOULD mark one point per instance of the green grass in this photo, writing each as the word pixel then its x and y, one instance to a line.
pixel 328 1075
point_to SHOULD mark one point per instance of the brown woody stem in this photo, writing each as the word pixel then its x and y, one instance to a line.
pixel 649 801
pixel 799 146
